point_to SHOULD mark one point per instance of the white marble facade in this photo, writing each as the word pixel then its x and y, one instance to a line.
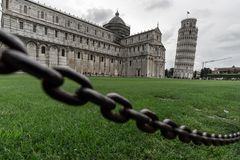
pixel 55 38
pixel 186 49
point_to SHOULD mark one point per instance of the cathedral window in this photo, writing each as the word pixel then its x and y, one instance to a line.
pixel 43 49
pixel 95 32
pixel 74 37
pixel 7 4
pixel 87 29
pixel 66 36
pixel 130 63
pixel 56 33
pixel 80 39
pixel 87 41
pixel 112 60
pixel 98 44
pixel 68 23
pixel 102 59
pixel 20 8
pixel 104 45
pixel 108 47
pixel 91 57
pixel 78 26
pixel 42 14
pixel 46 30
pixel 57 19
pixel 120 62
pixel 21 25
pixel 78 55
pixel 25 9
pixel 34 28
pixel 102 34
pixel 63 53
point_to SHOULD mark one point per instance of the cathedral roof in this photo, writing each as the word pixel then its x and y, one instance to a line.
pixel 155 29
pixel 117 19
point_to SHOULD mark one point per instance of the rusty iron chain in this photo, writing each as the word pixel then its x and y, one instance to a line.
pixel 15 58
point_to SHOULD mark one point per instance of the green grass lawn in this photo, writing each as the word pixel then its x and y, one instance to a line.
pixel 33 126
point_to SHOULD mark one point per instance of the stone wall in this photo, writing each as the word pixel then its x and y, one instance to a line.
pixel 145 54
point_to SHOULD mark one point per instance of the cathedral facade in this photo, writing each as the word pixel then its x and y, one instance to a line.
pixel 55 38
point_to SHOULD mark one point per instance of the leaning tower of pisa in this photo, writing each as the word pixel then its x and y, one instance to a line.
pixel 186 49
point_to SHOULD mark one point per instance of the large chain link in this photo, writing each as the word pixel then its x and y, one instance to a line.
pixel 15 58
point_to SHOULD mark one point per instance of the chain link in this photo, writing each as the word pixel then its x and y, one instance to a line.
pixel 12 42
pixel 15 58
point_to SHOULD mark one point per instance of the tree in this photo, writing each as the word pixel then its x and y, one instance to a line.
pixel 166 73
pixel 170 73
pixel 205 72
pixel 195 75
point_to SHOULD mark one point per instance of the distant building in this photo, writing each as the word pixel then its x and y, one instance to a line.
pixel 186 49
pixel 227 70
pixel 55 38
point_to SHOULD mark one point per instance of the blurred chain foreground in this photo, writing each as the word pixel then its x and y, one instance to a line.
pixel 15 58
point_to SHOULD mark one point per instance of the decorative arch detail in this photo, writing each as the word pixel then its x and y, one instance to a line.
pixel 32 49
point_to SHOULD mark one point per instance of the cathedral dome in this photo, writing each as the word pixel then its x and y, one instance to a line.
pixel 118 26
pixel 117 19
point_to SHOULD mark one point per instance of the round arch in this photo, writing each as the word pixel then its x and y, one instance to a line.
pixel 32 49
pixel 43 52
pixel 53 56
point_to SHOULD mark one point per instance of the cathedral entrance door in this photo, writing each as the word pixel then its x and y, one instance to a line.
pixel 138 72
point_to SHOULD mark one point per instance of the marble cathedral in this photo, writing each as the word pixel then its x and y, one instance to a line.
pixel 55 38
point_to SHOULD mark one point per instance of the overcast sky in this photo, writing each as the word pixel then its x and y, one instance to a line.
pixel 218 23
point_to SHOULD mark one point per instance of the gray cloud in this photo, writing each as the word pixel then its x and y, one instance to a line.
pixel 169 34
pixel 98 15
pixel 230 47
pixel 158 4
pixel 206 28
pixel 230 39
pixel 202 13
